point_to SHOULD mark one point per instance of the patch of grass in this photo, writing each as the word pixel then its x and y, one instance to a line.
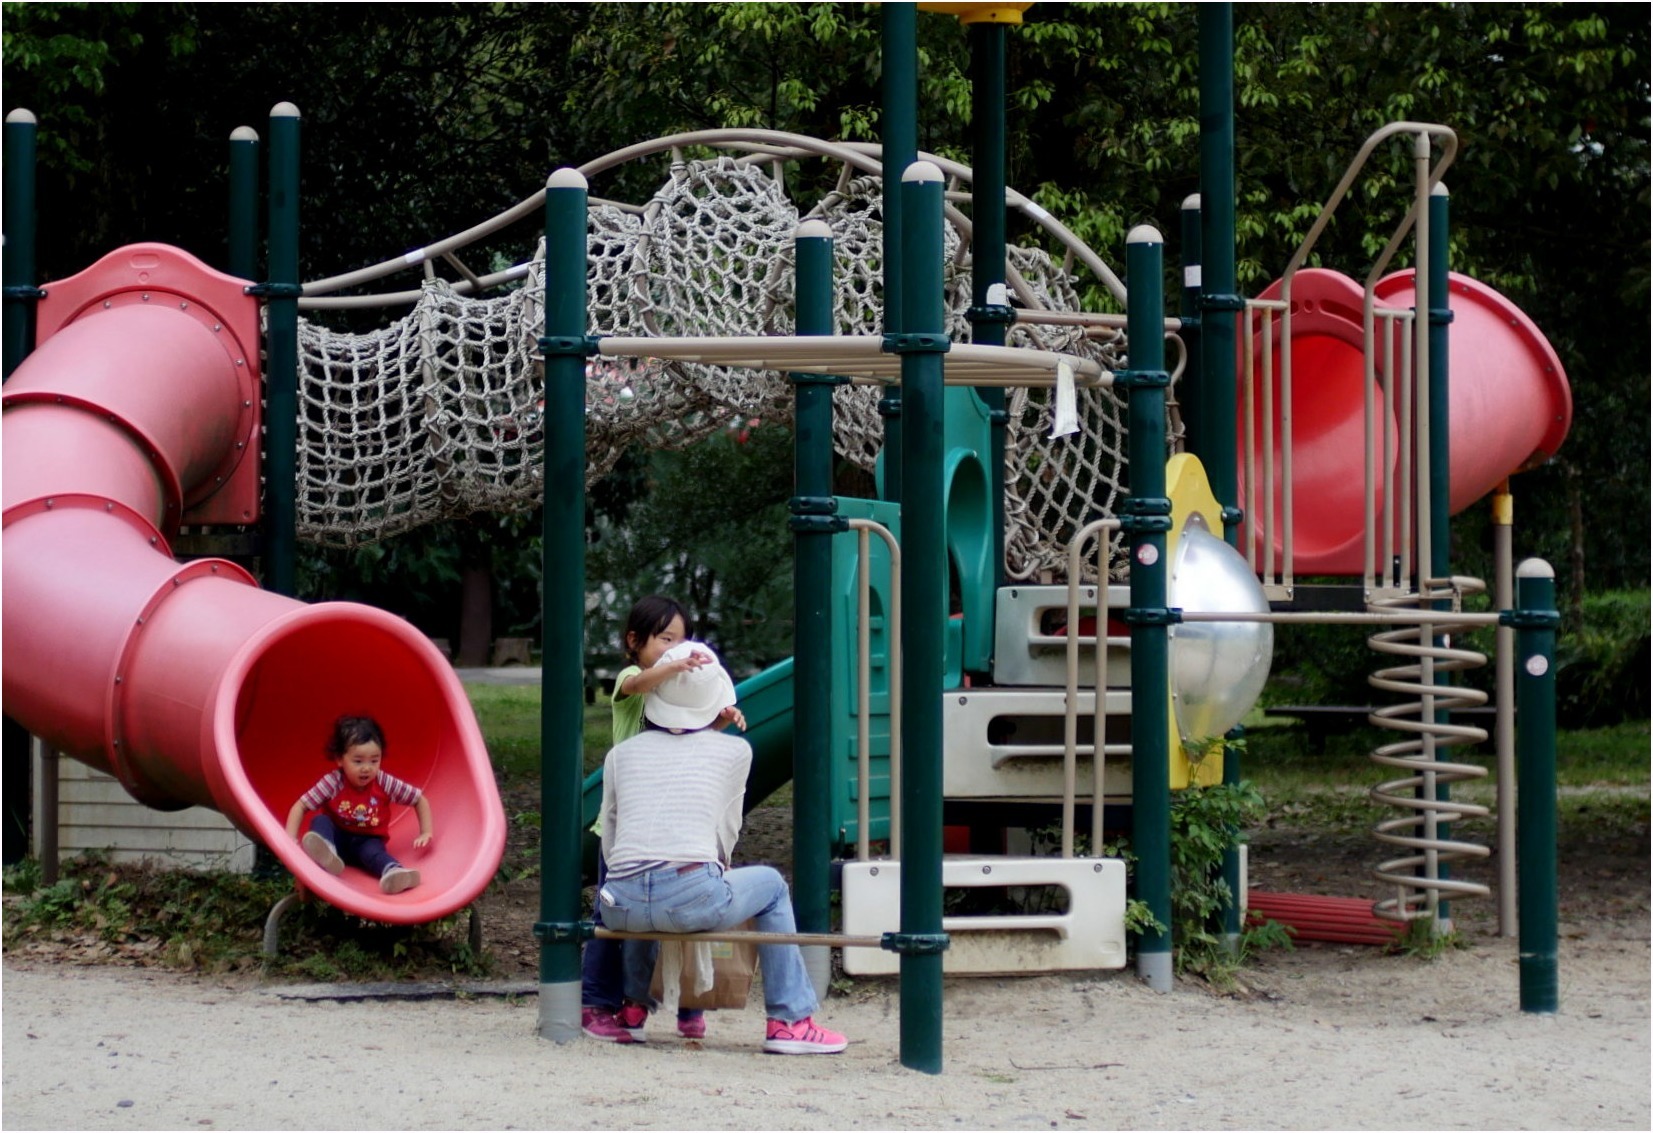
pixel 1615 755
pixel 1325 783
pixel 509 716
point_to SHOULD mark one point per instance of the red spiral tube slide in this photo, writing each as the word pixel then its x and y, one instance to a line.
pixel 1508 402
pixel 185 681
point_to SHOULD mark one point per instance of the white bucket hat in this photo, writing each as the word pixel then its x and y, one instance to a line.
pixel 693 698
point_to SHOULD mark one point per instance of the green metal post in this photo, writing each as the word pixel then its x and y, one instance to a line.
pixel 898 131
pixel 1440 319
pixel 281 349
pixel 1193 419
pixel 923 617
pixel 1146 519
pixel 990 310
pixel 1535 620
pixel 243 227
pixel 1219 302
pixel 21 295
pixel 1215 406
pixel 562 597
pixel 1233 918
pixel 814 519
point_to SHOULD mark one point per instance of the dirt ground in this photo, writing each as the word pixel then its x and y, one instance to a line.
pixel 1325 1036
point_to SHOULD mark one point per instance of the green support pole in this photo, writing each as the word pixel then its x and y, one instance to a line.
pixel 242 260
pixel 814 519
pixel 990 310
pixel 19 267
pixel 1220 304
pixel 1193 419
pixel 1535 620
pixel 1440 320
pixel 923 617
pixel 1215 405
pixel 562 597
pixel 1146 519
pixel 281 353
pixel 1233 917
pixel 898 130
pixel 21 295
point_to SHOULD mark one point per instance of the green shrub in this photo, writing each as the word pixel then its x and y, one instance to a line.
pixel 1602 663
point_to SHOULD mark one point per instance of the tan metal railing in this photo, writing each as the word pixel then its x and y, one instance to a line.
pixel 1070 724
pixel 865 529
pixel 1405 370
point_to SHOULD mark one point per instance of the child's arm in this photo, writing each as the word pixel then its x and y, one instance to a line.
pixel 643 680
pixel 422 809
pixel 295 818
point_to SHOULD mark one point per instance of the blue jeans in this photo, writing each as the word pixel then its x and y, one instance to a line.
pixel 603 964
pixel 708 898
pixel 363 851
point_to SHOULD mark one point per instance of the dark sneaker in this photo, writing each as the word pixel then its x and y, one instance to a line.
pixel 397 878
pixel 802 1037
pixel 321 852
pixel 603 1025
pixel 632 1017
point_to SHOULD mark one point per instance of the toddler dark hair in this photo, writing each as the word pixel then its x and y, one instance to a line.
pixel 648 617
pixel 348 731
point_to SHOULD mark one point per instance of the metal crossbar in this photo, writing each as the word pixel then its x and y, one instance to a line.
pixel 747 936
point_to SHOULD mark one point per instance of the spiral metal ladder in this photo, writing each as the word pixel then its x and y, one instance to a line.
pixel 1422 833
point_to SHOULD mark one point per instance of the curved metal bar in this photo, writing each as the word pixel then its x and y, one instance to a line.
pixel 762 145
pixel 892 635
pixel 1450 151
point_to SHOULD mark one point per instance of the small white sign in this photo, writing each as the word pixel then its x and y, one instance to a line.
pixel 1147 554
pixel 1538 665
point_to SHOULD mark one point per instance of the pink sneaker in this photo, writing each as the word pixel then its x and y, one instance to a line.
pixel 632 1017
pixel 604 1025
pixel 802 1037
pixel 692 1026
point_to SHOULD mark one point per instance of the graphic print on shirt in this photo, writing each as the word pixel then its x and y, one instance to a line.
pixel 361 812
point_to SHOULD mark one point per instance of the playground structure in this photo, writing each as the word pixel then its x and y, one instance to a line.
pixel 1191 636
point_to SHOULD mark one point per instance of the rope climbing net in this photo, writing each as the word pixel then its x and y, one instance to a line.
pixel 439 414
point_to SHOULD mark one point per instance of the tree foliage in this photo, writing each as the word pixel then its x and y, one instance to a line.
pixel 420 120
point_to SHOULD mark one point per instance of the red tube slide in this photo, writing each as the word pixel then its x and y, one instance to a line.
pixel 185 681
pixel 1509 406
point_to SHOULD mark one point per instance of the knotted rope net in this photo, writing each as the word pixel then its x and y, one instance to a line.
pixel 440 414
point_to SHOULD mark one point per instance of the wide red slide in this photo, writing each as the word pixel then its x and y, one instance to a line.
pixel 1509 407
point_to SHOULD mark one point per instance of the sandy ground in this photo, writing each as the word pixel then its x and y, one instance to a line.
pixel 1325 1037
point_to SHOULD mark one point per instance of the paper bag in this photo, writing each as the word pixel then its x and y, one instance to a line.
pixel 732 966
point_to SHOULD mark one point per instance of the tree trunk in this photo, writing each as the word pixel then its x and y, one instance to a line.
pixel 476 616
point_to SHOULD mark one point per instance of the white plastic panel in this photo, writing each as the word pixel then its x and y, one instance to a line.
pixel 1024 655
pixel 1006 743
pixel 1089 936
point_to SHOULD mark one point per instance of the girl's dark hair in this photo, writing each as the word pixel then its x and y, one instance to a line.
pixel 650 616
pixel 348 731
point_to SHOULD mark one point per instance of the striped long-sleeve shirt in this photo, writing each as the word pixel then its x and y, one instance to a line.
pixel 673 799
